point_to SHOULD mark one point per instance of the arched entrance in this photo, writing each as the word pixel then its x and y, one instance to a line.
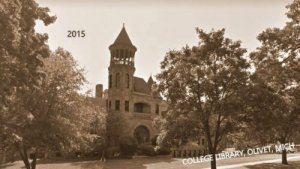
pixel 142 134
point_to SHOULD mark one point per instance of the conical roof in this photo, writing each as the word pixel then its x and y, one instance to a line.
pixel 123 38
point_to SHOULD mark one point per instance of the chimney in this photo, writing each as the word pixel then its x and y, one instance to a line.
pixel 99 90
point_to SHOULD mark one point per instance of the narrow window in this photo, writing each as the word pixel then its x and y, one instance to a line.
pixel 118 80
pixel 117 105
pixel 110 81
pixel 117 54
pixel 109 105
pixel 157 109
pixel 127 80
pixel 122 55
pixel 127 106
pixel 203 141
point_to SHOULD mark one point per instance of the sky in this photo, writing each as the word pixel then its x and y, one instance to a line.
pixel 154 27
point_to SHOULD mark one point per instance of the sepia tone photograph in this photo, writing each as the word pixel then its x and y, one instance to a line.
pixel 150 84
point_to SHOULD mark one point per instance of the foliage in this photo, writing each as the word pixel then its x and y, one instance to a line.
pixel 174 130
pixel 56 108
pixel 39 102
pixel 154 140
pixel 115 126
pixel 277 81
pixel 128 146
pixel 21 54
pixel 162 150
pixel 112 151
pixel 49 114
pixel 146 149
pixel 203 85
pixel 94 125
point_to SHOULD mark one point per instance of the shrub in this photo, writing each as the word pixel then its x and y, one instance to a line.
pixel 162 150
pixel 112 152
pixel 128 146
pixel 154 140
pixel 146 149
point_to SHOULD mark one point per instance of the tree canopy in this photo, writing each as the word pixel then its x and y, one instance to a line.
pixel 21 54
pixel 276 108
pixel 203 85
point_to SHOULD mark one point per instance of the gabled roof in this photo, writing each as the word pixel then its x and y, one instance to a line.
pixel 141 86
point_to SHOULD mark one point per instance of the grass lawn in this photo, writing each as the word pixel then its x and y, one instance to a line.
pixel 292 165
pixel 164 162
pixel 59 164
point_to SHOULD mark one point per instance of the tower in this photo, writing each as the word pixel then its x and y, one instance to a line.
pixel 129 96
pixel 121 71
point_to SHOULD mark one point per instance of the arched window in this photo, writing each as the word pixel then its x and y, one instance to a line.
pixel 127 80
pixel 142 108
pixel 118 80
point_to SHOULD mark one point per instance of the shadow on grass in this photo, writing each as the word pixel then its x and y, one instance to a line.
pixel 92 163
pixel 89 165
pixel 292 165
pixel 64 160
pixel 136 163
pixel 41 163
pixel 6 165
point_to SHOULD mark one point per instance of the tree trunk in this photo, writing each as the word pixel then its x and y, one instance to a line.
pixel 213 163
pixel 284 157
pixel 33 163
pixel 24 157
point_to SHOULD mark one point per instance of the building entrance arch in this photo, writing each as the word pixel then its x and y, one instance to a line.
pixel 142 134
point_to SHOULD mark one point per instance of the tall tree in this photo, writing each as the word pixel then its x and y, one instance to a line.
pixel 50 114
pixel 21 54
pixel 277 79
pixel 204 83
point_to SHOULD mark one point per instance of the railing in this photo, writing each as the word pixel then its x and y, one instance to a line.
pixel 182 153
